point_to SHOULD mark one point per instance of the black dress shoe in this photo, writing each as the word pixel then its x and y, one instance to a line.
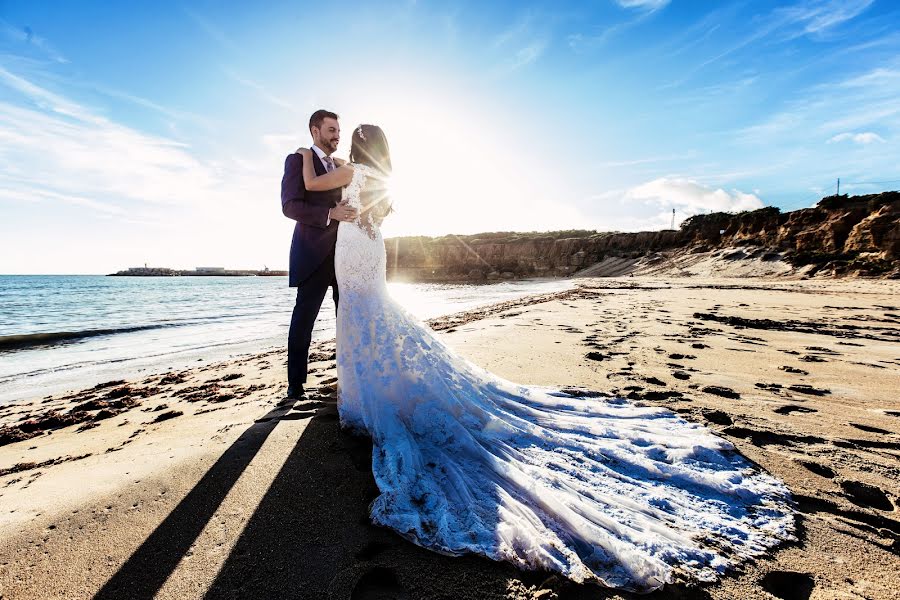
pixel 295 392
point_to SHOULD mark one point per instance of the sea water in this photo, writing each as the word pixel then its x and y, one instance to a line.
pixel 62 332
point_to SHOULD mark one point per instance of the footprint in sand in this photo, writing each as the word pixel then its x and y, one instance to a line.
pixel 378 584
pixel 718 417
pixel 762 437
pixel 867 496
pixel 812 358
pixel 654 395
pixel 819 469
pixel 788 585
pixel 166 416
pixel 822 350
pixel 792 408
pixel 794 370
pixel 724 392
pixel 768 386
pixel 802 388
pixel 871 429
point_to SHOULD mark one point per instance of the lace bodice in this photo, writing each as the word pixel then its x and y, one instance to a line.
pixel 360 260
pixel 352 196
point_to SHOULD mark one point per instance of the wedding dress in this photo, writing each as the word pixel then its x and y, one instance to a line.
pixel 592 487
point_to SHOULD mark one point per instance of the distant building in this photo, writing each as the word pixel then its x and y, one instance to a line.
pixel 209 269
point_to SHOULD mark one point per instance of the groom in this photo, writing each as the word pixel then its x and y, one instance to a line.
pixel 312 247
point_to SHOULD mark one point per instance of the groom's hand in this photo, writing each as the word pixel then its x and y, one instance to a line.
pixel 342 212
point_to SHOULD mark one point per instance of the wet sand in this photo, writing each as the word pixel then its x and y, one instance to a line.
pixel 207 483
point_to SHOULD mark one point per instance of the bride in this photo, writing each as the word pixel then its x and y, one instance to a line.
pixel 595 488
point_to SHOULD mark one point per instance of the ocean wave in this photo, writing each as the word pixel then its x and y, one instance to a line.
pixel 51 338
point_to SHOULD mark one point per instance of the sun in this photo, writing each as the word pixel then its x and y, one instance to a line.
pixel 451 173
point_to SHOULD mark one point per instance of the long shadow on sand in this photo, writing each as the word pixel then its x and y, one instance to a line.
pixel 310 536
pixel 145 572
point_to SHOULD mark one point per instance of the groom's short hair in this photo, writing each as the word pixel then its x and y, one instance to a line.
pixel 319 116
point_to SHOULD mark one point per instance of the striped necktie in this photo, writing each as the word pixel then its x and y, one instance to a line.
pixel 329 164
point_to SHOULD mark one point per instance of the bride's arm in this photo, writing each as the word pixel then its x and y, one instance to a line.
pixel 338 178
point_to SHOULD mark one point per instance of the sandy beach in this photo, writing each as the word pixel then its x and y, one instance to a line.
pixel 206 483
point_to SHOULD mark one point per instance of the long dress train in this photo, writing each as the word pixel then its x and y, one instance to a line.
pixel 592 487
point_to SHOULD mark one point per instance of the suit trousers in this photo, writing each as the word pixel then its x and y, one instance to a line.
pixel 310 294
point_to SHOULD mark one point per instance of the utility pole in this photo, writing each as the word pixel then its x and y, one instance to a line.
pixel 839 187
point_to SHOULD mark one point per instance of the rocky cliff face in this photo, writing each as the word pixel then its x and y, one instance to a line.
pixel 841 235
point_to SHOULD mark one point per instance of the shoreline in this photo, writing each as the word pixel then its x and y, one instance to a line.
pixel 106 396
pixel 82 504
pixel 62 354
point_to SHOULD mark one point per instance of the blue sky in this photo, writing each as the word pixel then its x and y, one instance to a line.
pixel 156 132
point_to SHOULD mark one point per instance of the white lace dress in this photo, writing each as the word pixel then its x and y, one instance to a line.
pixel 594 488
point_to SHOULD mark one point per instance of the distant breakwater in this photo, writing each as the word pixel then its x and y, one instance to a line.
pixel 166 272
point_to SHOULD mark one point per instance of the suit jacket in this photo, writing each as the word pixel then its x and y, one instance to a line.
pixel 313 240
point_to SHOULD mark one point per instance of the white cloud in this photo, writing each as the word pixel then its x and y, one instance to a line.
pixel 35 194
pixel 527 55
pixel 877 78
pixel 848 108
pixel 814 18
pixel 212 30
pixel 522 43
pixel 648 206
pixel 819 16
pixel 650 5
pixel 520 29
pixel 866 137
pixel 692 197
pixel 264 93
pixel 137 196
pixel 44 98
pixel 644 161
pixel 98 158
pixel 580 42
pixel 64 148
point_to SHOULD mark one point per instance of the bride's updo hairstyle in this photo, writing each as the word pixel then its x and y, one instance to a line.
pixel 370 147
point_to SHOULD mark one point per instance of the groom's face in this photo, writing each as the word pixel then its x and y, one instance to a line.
pixel 328 135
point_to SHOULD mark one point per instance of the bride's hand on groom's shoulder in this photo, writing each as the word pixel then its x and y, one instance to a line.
pixel 340 162
pixel 304 152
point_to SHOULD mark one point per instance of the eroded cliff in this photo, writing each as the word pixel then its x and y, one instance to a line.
pixel 841 235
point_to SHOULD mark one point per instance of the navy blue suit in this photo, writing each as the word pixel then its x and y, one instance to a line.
pixel 312 258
